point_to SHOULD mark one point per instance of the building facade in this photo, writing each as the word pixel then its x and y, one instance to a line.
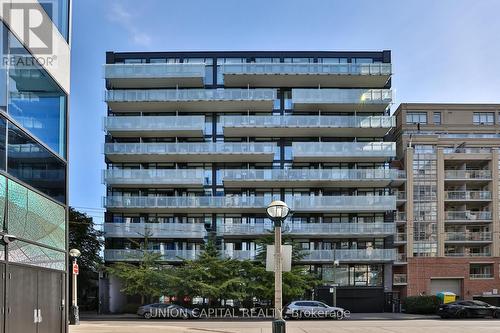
pixel 448 238
pixel 34 89
pixel 199 143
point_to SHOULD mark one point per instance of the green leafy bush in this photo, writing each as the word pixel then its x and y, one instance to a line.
pixel 421 304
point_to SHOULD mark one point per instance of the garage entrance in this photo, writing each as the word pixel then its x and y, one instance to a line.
pixel 453 285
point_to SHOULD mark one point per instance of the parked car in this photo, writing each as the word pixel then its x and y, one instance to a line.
pixel 312 309
pixel 468 309
pixel 160 310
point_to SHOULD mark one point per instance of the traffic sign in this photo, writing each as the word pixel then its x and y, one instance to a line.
pixel 75 269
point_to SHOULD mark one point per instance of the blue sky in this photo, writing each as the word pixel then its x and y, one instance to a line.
pixel 442 51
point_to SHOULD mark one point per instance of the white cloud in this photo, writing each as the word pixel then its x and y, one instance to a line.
pixel 118 13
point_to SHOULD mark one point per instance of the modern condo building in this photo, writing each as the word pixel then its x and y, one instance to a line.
pixel 199 143
pixel 448 236
pixel 34 89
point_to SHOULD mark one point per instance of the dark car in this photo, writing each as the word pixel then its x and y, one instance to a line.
pixel 160 310
pixel 468 309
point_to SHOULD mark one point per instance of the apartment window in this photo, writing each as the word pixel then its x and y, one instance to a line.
pixel 134 61
pixel 481 271
pixel 332 60
pixel 362 60
pixel 437 118
pixel 483 118
pixel 416 118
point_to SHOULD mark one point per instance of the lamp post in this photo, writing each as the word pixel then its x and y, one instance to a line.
pixel 74 315
pixel 277 211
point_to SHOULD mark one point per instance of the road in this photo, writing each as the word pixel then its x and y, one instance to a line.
pixel 305 326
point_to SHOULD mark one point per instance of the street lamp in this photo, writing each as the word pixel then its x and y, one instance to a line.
pixel 74 317
pixel 277 211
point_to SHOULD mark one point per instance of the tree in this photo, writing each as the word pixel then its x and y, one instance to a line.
pixel 84 237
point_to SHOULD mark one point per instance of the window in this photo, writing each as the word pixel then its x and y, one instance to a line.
pixel 483 118
pixel 58 11
pixel 481 271
pixel 437 118
pixel 416 118
pixel 362 60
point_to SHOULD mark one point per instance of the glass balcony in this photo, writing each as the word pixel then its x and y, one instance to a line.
pixel 467 150
pixel 399 279
pixel 137 255
pixel 400 237
pixel 347 100
pixel 250 204
pixel 157 177
pixel 400 259
pixel 155 230
pixel 467 215
pixel 467 174
pixel 467 254
pixel 154 75
pixel 190 152
pixel 194 100
pixel 312 177
pixel 308 229
pixel 468 236
pixel 365 255
pixel 400 217
pixel 467 195
pixel 343 151
pixel 306 74
pixel 170 126
pixel 293 126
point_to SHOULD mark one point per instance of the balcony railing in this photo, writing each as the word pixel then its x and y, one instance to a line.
pixel 467 215
pixel 153 71
pixel 344 149
pixel 190 148
pixel 481 276
pixel 467 174
pixel 468 236
pixel 138 255
pixel 312 174
pixel 342 96
pixel 305 203
pixel 472 150
pixel 467 254
pixel 400 217
pixel 401 257
pixel 154 177
pixel 467 195
pixel 160 123
pixel 155 230
pixel 400 237
pixel 190 95
pixel 309 121
pixel 326 229
pixel 350 255
pixel 399 279
pixel 307 69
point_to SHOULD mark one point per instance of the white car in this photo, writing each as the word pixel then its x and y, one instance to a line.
pixel 312 310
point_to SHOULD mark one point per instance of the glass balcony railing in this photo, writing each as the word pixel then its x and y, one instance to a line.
pixel 155 230
pixel 153 71
pixel 190 148
pixel 189 95
pixel 304 203
pixel 467 215
pixel 328 229
pixel 311 174
pixel 399 279
pixel 467 254
pixel 467 174
pixel 471 150
pixel 400 216
pixel 309 121
pixel 160 123
pixel 138 255
pixel 401 257
pixel 481 276
pixel 307 69
pixel 342 96
pixel 468 236
pixel 344 149
pixel 350 255
pixel 467 195
pixel 400 237
pixel 153 176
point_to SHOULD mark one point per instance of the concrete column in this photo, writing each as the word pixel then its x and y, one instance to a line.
pixel 408 162
pixel 495 204
pixel 440 201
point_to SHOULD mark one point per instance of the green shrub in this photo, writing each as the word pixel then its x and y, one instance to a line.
pixel 421 304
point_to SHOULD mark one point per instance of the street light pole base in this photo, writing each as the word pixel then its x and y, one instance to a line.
pixel 74 315
pixel 279 326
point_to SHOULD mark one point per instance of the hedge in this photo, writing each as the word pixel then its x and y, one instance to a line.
pixel 421 304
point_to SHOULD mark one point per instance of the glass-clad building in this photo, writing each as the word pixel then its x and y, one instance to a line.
pixel 34 90
pixel 199 143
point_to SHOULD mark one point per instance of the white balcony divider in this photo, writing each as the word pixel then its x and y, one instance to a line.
pixel 342 96
pixel 309 121
pixel 153 71
pixel 307 69
pixel 190 148
pixel 151 123
pixel 347 149
pixel 153 176
pixel 168 230
pixel 189 95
